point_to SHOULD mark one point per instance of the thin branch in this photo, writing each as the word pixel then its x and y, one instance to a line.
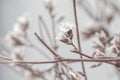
pixel 46 29
pixel 63 60
pixel 80 52
pixel 78 36
pixel 53 29
pixel 87 55
pixel 52 51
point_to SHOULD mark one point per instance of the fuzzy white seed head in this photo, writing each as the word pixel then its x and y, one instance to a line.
pixel 49 4
pixel 23 22
pixel 66 27
pixel 65 35
pixel 18 30
pixel 59 36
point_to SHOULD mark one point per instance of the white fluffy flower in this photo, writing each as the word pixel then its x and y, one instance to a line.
pixel 21 26
pixel 59 36
pixel 49 4
pixel 65 35
pixel 17 29
pixel 23 21
pixel 66 27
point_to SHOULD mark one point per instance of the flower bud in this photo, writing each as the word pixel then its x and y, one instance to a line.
pixel 49 4
pixel 65 35
pixel 17 30
pixel 23 21
pixel 13 40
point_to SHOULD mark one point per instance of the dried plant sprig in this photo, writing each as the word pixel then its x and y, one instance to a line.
pixel 108 44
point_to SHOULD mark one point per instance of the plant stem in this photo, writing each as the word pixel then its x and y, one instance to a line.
pixel 87 55
pixel 63 60
pixel 52 51
pixel 53 30
pixel 78 37
pixel 46 29
pixel 80 52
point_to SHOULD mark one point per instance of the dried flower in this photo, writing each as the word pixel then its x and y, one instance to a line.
pixel 18 31
pixel 49 4
pixel 23 21
pixel 65 27
pixel 21 26
pixel 18 53
pixel 17 36
pixel 13 40
pixel 65 35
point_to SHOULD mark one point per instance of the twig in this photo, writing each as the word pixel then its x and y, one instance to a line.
pixel 53 29
pixel 63 60
pixel 80 52
pixel 46 29
pixel 78 36
pixel 52 51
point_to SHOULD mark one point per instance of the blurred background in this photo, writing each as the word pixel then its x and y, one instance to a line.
pixel 11 10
